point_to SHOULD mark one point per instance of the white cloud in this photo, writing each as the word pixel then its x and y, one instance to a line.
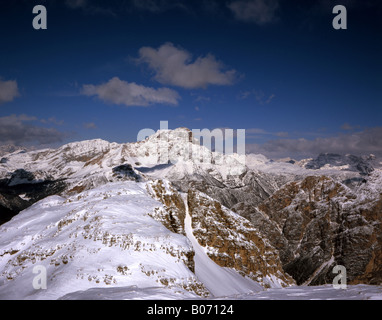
pixel 260 12
pixel 8 91
pixel 120 92
pixel 174 66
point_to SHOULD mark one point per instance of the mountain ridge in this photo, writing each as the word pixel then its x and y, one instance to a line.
pixel 259 193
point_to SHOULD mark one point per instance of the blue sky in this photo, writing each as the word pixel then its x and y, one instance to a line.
pixel 277 68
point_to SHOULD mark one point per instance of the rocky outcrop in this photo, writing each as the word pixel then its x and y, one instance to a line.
pixel 173 215
pixel 250 188
pixel 232 242
pixel 10 205
pixel 126 172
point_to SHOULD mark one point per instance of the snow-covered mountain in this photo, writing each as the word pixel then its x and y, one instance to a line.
pixel 167 216
pixel 26 177
pixel 9 148
pixel 348 162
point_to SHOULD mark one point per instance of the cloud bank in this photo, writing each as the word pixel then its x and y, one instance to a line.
pixel 18 130
pixel 357 143
pixel 120 92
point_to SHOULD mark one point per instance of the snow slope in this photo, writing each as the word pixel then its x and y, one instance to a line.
pixel 104 237
pixel 106 241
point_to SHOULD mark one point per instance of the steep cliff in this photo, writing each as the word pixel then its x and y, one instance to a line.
pixel 231 241
pixel 319 223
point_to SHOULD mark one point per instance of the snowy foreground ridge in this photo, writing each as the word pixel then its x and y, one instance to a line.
pixel 103 244
pixel 107 237
pixel 99 220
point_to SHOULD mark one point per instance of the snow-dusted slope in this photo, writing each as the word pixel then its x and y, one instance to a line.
pixel 104 237
pixel 125 237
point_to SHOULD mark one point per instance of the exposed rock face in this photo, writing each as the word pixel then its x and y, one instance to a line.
pixel 21 191
pixel 174 214
pixel 126 171
pixel 10 205
pixel 231 241
pixel 319 223
pixel 250 188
